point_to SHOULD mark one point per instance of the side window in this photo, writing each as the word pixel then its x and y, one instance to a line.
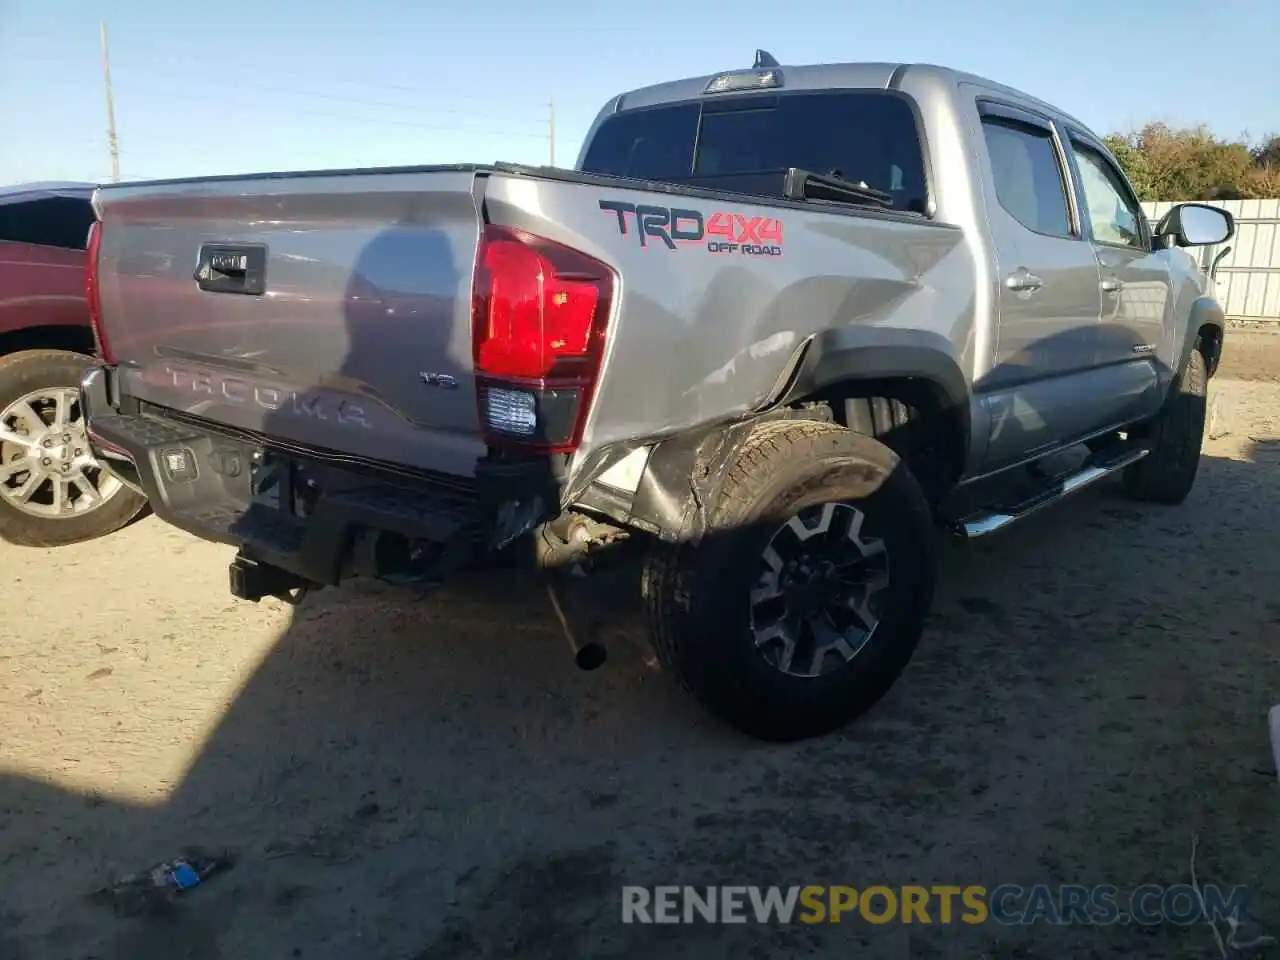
pixel 1029 178
pixel 1115 217
pixel 51 222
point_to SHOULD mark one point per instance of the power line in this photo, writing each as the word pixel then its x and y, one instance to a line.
pixel 274 110
pixel 447 128
pixel 188 69
pixel 269 109
pixel 259 88
pixel 266 110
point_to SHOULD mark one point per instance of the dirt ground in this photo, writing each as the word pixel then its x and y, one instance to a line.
pixel 405 777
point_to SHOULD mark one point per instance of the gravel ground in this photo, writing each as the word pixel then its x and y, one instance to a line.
pixel 432 778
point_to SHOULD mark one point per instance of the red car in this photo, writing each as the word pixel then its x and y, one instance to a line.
pixel 52 490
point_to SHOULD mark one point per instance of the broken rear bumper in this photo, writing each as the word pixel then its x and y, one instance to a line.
pixel 294 513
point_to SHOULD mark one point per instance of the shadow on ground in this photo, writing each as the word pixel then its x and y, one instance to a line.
pixel 1092 690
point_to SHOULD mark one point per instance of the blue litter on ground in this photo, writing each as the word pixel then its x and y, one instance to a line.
pixel 185 876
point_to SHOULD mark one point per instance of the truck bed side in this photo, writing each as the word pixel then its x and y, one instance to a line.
pixel 709 325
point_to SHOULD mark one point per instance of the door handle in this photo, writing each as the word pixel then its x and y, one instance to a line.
pixel 1023 281
pixel 1112 285
pixel 232 268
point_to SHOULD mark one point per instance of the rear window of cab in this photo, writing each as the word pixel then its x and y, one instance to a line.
pixel 741 143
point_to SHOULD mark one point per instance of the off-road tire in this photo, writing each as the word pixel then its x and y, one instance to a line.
pixel 697 596
pixel 22 373
pixel 1167 474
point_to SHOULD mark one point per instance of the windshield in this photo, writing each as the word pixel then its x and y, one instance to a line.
pixel 742 143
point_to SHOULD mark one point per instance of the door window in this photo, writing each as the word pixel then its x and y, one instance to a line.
pixel 1116 218
pixel 1029 178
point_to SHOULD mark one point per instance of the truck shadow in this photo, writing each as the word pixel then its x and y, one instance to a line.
pixel 433 778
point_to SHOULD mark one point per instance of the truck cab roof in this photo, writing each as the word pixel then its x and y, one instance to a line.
pixel 832 76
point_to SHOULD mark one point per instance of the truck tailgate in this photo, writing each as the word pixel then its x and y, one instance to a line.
pixel 332 309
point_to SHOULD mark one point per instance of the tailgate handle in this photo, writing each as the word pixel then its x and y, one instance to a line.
pixel 232 268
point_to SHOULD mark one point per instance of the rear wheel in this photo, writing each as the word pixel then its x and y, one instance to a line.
pixel 1168 472
pixel 806 599
pixel 52 490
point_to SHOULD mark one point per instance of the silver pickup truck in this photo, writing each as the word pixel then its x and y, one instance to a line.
pixel 778 326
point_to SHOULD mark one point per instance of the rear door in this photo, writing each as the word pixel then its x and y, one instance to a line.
pixel 1049 297
pixel 1134 279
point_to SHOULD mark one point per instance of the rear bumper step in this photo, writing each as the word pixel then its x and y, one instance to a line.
pixel 300 520
pixel 1090 472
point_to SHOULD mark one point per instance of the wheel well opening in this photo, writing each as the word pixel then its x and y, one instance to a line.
pixel 1209 341
pixel 74 338
pixel 910 416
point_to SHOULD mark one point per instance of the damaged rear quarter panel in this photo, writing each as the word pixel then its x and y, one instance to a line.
pixel 698 336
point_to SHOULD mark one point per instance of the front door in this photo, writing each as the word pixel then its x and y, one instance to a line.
pixel 1134 279
pixel 1049 299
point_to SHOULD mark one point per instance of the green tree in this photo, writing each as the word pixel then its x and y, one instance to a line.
pixel 1190 163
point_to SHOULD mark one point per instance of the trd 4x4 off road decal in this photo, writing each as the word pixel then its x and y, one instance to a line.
pixel 722 232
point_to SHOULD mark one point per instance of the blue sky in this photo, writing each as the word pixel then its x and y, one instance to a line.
pixel 234 85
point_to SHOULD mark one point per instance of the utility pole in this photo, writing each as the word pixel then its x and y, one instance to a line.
pixel 551 130
pixel 113 144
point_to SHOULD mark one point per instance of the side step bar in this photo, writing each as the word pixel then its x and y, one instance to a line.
pixel 983 523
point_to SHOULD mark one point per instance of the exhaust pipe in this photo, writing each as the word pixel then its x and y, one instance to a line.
pixel 588 656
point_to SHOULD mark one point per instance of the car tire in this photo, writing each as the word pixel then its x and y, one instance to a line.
pixel 1167 474
pixel 44 374
pixel 737 627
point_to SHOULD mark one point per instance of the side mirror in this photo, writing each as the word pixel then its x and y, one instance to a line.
pixel 1196 225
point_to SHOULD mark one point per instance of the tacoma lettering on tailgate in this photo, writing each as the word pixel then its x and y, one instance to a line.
pixel 275 399
pixel 722 232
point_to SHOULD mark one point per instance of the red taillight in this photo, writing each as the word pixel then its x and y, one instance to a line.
pixel 91 292
pixel 539 312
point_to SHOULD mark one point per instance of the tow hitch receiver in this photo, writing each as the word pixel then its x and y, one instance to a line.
pixel 251 580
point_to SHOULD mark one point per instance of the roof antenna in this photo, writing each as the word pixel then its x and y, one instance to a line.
pixel 764 59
